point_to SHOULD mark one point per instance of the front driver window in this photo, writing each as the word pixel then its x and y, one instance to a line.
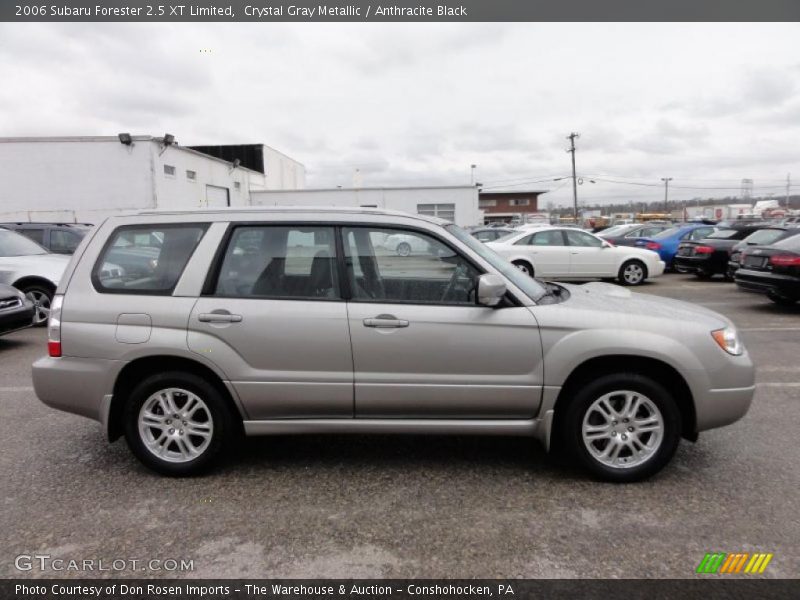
pixel 388 265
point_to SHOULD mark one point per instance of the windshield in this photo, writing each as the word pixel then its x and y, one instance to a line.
pixel 723 234
pixel 13 244
pixel 611 231
pixel 764 236
pixel 508 236
pixel 534 290
pixel 666 233
pixel 790 243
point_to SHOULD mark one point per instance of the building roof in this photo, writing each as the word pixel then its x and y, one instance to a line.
pixel 370 189
pixel 513 193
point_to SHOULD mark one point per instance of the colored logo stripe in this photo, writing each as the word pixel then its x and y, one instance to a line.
pixel 721 562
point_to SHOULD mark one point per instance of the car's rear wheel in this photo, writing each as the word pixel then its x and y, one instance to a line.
pixel 781 300
pixel 41 297
pixel 632 272
pixel 622 427
pixel 524 266
pixel 177 423
pixel 403 249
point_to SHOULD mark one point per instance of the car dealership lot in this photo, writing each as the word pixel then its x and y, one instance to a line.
pixel 412 506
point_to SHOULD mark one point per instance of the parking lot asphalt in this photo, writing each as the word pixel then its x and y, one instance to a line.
pixel 411 506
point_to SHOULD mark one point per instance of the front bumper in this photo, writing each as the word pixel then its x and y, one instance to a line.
pixel 16 319
pixel 723 406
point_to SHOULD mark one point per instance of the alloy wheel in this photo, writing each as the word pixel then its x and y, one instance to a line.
pixel 41 305
pixel 633 273
pixel 623 429
pixel 175 425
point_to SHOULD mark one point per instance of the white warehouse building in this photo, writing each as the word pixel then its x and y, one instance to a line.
pixel 85 179
pixel 458 203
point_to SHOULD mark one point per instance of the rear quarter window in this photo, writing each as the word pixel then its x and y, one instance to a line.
pixel 146 259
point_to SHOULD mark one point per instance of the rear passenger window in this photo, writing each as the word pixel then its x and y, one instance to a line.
pixel 280 262
pixel 146 259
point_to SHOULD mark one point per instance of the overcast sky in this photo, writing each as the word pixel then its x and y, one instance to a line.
pixel 706 104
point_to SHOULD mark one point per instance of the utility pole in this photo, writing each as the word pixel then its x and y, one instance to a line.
pixel 788 186
pixel 472 174
pixel 666 181
pixel 571 137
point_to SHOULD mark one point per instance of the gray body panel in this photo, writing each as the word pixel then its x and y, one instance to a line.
pixel 301 366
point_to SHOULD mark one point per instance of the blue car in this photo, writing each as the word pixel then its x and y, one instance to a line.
pixel 666 243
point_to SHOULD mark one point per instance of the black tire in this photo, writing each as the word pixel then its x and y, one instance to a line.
pixel 571 426
pixel 625 277
pixel 42 296
pixel 224 430
pixel 781 300
pixel 524 266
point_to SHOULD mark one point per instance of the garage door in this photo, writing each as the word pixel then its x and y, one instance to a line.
pixel 217 197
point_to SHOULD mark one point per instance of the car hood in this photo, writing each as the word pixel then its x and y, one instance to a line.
pixel 621 306
pixel 48 266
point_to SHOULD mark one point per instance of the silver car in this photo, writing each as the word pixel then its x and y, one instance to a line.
pixel 290 321
pixel 31 269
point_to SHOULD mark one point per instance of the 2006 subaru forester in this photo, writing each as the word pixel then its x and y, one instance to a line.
pixel 183 330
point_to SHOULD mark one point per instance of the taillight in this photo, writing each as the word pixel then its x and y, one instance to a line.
pixel 785 260
pixel 54 327
pixel 653 246
pixel 704 250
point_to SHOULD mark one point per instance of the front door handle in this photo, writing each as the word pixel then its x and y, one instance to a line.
pixel 385 322
pixel 219 317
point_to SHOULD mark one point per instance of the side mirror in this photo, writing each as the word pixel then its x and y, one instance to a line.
pixel 491 289
pixel 607 244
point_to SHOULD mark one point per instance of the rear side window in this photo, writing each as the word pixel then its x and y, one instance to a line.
pixel 280 262
pixel 146 259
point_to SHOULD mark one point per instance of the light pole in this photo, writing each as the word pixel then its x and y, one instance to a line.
pixel 571 137
pixel 472 174
pixel 666 181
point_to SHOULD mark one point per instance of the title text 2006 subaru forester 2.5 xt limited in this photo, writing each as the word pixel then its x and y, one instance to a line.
pixel 289 321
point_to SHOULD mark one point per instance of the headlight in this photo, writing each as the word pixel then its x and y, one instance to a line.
pixel 728 340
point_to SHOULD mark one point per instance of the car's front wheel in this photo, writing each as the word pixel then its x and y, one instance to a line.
pixel 622 427
pixel 177 423
pixel 632 272
pixel 403 249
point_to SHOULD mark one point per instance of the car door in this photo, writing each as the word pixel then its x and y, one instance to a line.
pixel 589 256
pixel 273 319
pixel 423 347
pixel 549 253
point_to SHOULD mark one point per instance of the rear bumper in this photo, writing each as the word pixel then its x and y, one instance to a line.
pixel 763 283
pixel 690 264
pixel 76 385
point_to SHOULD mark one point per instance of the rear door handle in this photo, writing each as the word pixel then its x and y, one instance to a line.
pixel 215 317
pixel 385 322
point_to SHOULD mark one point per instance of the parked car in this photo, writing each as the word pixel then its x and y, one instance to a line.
pixel 666 243
pixel 772 270
pixel 565 253
pixel 762 237
pixel 16 310
pixel 404 245
pixel 709 256
pixel 31 269
pixel 627 235
pixel 332 335
pixel 59 238
pixel 490 234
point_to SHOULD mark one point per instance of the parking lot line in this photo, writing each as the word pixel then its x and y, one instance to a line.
pixel 791 384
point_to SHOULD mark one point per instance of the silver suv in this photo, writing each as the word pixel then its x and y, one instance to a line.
pixel 286 321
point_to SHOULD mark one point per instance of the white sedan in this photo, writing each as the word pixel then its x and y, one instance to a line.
pixel 568 253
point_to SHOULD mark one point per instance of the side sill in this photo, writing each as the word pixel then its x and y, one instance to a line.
pixel 518 427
